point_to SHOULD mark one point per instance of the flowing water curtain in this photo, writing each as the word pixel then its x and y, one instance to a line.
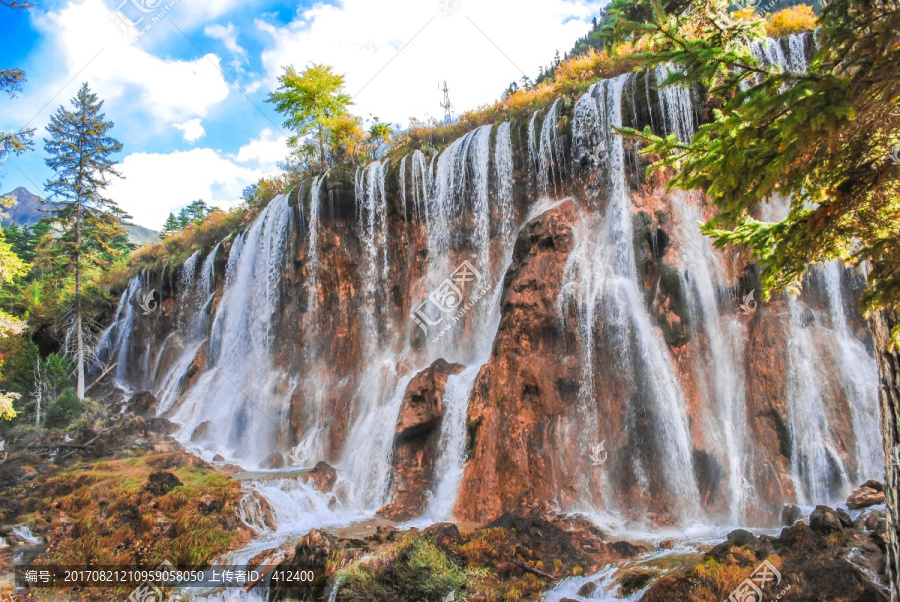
pixel 600 284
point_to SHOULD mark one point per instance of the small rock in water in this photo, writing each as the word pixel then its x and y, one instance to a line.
pixel 626 549
pixel 790 515
pixel 218 458
pixel 845 519
pixel 587 589
pixel 870 494
pixel 666 544
pixel 869 519
pixel 202 431
pixel 635 580
pixel 825 520
pixel 273 460
pixel 323 476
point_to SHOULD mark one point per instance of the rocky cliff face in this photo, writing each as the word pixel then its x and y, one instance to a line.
pixel 522 319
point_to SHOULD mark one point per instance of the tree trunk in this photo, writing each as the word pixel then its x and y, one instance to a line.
pixel 322 147
pixel 79 334
pixel 888 359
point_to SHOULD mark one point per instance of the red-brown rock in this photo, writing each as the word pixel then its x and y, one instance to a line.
pixel 415 440
pixel 865 497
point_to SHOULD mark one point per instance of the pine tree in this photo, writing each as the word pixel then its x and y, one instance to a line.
pixel 171 226
pixel 826 139
pixel 80 152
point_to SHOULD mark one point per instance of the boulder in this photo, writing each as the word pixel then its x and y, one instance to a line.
pixel 161 483
pixel 587 589
pixel 634 580
pixel 666 544
pixel 144 404
pixel 203 431
pixel 790 515
pixel 443 534
pixel 866 496
pixel 824 520
pixel 416 439
pixel 846 520
pixel 273 460
pixel 323 477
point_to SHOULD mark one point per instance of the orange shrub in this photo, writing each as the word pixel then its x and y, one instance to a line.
pixel 795 19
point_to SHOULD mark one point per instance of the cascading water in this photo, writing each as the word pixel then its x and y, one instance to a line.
pixel 464 198
pixel 600 284
pixel 858 379
pixel 703 277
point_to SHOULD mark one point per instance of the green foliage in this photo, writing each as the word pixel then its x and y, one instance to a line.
pixel 90 235
pixel 11 82
pixel 428 573
pixel 415 570
pixel 80 152
pixel 194 213
pixel 266 189
pixel 312 101
pixel 820 139
pixel 64 409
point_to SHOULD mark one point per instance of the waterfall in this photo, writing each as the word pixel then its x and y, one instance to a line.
pixel 503 176
pixel 676 105
pixel 421 182
pixel 551 160
pixel 258 398
pixel 702 276
pixel 858 379
pixel 312 255
pixel 817 470
pixel 600 284
pixel 234 394
pixel 371 207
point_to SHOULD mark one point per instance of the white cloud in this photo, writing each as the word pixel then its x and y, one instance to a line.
pixel 193 130
pixel 264 152
pixel 478 48
pixel 83 40
pixel 227 34
pixel 157 184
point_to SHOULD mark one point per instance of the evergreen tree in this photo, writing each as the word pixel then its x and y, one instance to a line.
pixel 80 152
pixel 826 139
pixel 171 226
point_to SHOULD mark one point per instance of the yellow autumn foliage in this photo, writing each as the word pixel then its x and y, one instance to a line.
pixel 795 19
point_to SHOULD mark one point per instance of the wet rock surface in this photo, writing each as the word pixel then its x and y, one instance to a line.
pixel 416 438
pixel 818 559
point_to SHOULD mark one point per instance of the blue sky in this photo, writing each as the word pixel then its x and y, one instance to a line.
pixel 185 81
